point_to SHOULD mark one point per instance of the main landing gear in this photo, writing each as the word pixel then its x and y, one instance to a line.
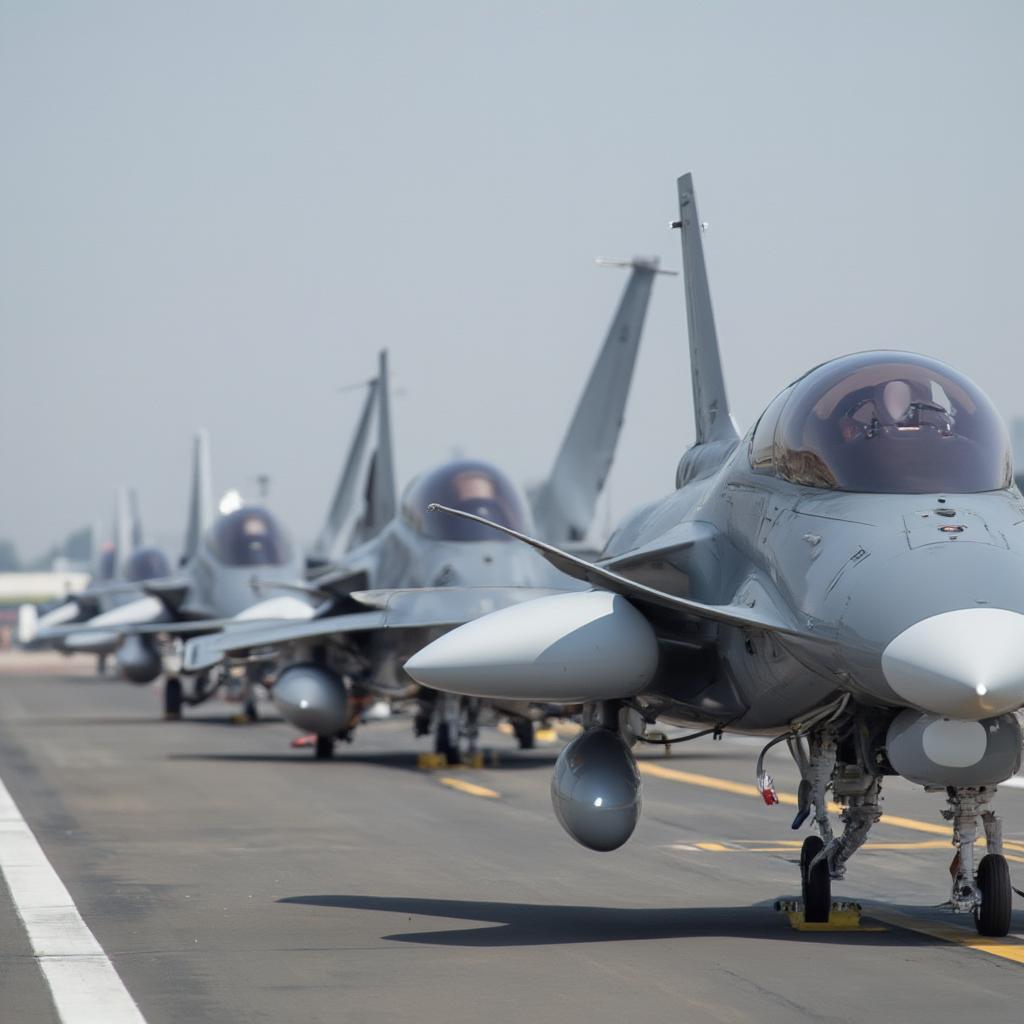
pixel 827 760
pixel 524 732
pixel 456 719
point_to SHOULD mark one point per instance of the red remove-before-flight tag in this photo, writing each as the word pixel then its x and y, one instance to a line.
pixel 766 785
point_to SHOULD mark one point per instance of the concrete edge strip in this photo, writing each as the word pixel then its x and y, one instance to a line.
pixel 84 984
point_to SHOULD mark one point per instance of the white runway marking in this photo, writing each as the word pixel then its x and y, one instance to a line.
pixel 86 988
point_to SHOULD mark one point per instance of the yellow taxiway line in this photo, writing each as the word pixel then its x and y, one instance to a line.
pixel 470 788
pixel 1010 948
pixel 790 845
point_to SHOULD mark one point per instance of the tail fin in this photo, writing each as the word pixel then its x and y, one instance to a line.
pixel 563 506
pixel 711 407
pixel 200 503
pixel 345 493
pixel 382 495
pixel 136 519
pixel 122 531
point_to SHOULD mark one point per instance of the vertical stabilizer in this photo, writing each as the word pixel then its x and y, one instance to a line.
pixel 564 505
pixel 711 407
pixel 122 531
pixel 137 536
pixel 345 493
pixel 200 502
pixel 382 496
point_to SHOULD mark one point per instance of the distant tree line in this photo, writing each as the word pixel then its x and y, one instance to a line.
pixel 76 548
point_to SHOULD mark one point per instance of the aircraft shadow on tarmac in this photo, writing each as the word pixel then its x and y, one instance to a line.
pixel 531 924
pixel 507 760
pixel 405 760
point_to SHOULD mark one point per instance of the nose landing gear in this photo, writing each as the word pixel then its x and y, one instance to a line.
pixel 986 894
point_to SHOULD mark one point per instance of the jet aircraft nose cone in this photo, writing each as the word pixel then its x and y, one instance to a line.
pixel 966 664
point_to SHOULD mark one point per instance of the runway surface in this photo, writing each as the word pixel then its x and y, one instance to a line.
pixel 231 878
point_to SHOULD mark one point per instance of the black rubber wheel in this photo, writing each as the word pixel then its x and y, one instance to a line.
pixel 447 744
pixel 324 749
pixel 523 729
pixel 993 916
pixel 816 884
pixel 172 697
pixel 250 710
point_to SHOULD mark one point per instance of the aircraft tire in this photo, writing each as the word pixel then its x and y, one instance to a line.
pixel 173 698
pixel 324 749
pixel 443 743
pixel 816 884
pixel 250 710
pixel 993 916
pixel 524 732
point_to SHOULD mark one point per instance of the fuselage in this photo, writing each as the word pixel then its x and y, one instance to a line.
pixel 831 514
pixel 856 569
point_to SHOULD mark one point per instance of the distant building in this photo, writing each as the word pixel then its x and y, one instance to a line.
pixel 18 588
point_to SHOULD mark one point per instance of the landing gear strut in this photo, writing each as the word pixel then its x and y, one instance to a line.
pixel 455 719
pixel 446 729
pixel 524 732
pixel 987 894
pixel 823 857
pixel 173 698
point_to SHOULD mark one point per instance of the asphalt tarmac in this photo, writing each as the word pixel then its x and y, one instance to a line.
pixel 229 877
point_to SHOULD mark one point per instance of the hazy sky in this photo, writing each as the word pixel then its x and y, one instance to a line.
pixel 214 213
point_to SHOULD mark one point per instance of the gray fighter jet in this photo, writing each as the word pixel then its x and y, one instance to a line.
pixel 236 569
pixel 239 566
pixel 846 578
pixel 334 666
pixel 122 565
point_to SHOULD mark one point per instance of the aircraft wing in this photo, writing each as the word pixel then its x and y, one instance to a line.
pixel 750 616
pixel 427 608
pixel 113 623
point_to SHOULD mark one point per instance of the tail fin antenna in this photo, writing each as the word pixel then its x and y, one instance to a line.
pixel 122 531
pixel 345 493
pixel 564 505
pixel 711 406
pixel 382 505
pixel 200 503
pixel 136 518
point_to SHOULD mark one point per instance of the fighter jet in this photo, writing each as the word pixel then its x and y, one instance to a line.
pixel 331 667
pixel 122 565
pixel 845 577
pixel 239 566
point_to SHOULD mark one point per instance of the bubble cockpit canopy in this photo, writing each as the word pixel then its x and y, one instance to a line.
pixel 146 564
pixel 884 423
pixel 249 536
pixel 474 487
pixel 106 563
